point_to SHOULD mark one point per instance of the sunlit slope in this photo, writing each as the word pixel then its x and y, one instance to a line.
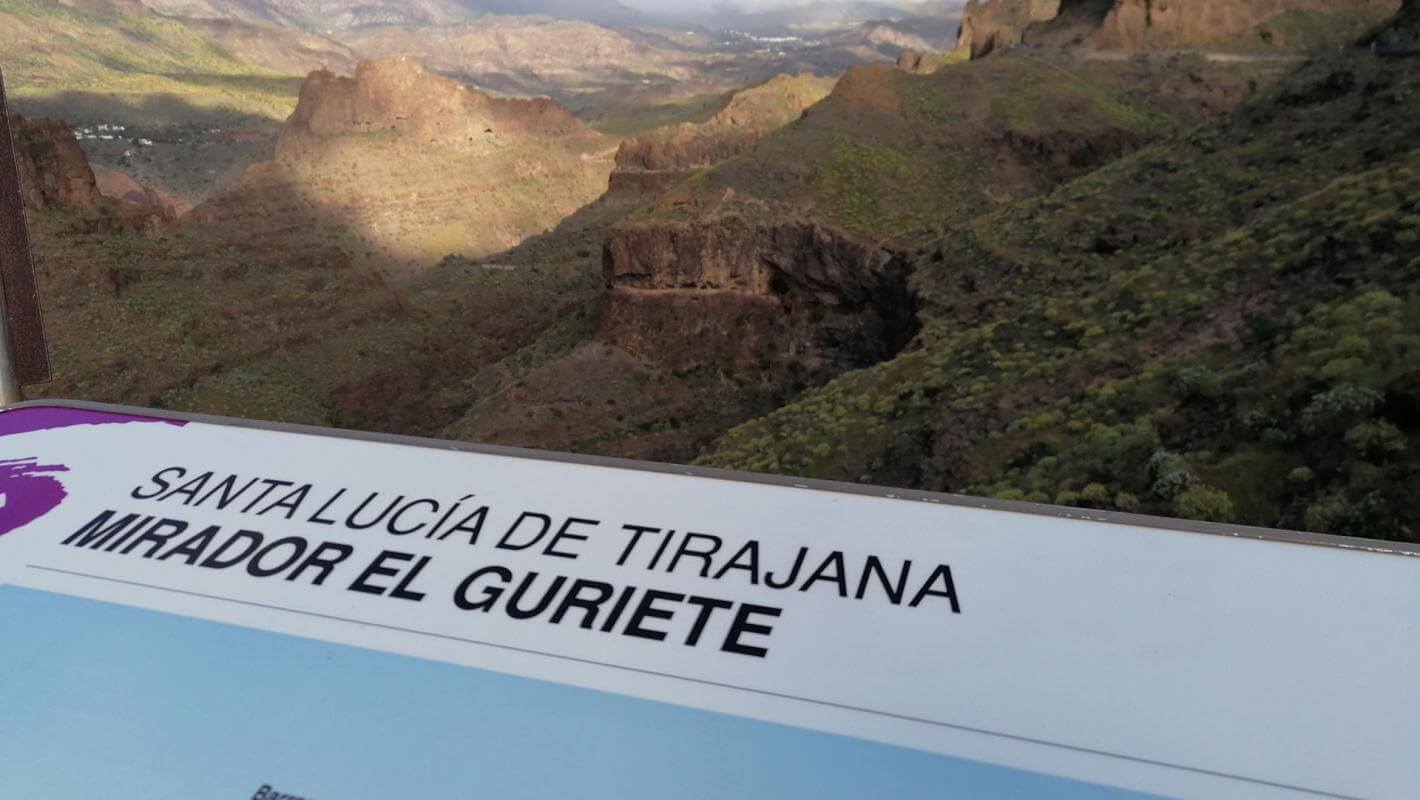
pixel 120 60
pixel 399 168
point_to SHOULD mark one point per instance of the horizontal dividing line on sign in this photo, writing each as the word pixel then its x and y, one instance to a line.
pixel 706 682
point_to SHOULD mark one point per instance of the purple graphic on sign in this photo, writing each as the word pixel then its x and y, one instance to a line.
pixel 47 418
pixel 27 492
pixel 28 489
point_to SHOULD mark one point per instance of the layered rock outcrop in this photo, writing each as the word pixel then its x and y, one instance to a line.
pixel 731 289
pixel 732 253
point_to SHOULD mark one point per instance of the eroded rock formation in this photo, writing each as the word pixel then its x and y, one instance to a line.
pixel 989 24
pixel 397 96
pixel 55 175
pixel 53 170
pixel 768 294
pixel 400 167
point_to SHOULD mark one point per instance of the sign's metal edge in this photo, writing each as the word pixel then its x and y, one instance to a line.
pixel 1162 524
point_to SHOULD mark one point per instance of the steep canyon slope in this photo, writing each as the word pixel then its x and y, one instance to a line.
pixel 785 265
pixel 814 220
pixel 1219 326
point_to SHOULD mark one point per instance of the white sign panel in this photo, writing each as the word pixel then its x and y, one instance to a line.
pixel 204 608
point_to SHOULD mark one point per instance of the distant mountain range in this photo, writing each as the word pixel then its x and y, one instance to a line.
pixel 330 15
pixel 334 15
pixel 827 15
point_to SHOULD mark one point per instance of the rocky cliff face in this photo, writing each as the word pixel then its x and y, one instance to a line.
pixel 53 170
pixel 400 168
pixel 55 174
pixel 1139 25
pixel 735 254
pixel 731 289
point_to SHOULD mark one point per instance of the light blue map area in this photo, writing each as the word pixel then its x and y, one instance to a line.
pixel 99 700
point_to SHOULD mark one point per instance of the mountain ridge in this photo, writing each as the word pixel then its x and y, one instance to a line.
pixel 1140 25
pixel 335 16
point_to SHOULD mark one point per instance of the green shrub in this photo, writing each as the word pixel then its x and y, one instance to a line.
pixel 1095 495
pixel 1169 474
pixel 1339 407
pixel 1124 501
pixel 1204 503
pixel 1377 439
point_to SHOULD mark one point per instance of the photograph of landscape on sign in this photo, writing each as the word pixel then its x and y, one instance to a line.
pixel 1110 254
pixel 437 730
